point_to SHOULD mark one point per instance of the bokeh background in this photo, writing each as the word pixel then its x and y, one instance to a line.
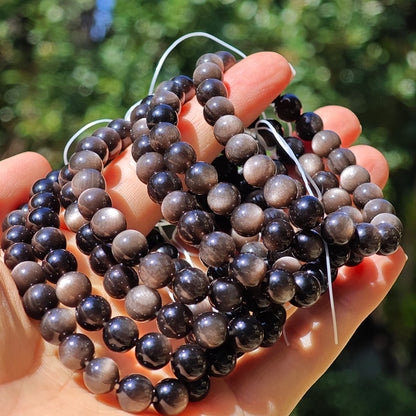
pixel 63 64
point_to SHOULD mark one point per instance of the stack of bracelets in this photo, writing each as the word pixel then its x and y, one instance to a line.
pixel 272 224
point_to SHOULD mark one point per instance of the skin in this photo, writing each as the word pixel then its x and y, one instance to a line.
pixel 267 382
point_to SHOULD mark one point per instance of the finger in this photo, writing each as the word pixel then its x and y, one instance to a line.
pixel 17 175
pixel 374 161
pixel 341 120
pixel 287 371
pixel 253 83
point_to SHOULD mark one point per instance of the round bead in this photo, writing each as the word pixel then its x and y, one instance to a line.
pixel 247 219
pixel 179 157
pixel 339 159
pixel 156 270
pixel 366 240
pixel 111 138
pixel 101 375
pixel 216 248
pixel 38 299
pixel 149 163
pixel 311 163
pixel 287 263
pixel 162 135
pixel 85 159
pixel 337 228
pixel 47 239
pixel 75 351
pixel 280 286
pixel 96 145
pixel 335 198
pixel 226 127
pixel 161 113
pixel 174 320
pixel 56 324
pixel 65 175
pixel 217 107
pixel 225 294
pixel 366 192
pixel 228 59
pixel 307 290
pixel 93 312
pixel 210 57
pixel 170 86
pixel 73 218
pixel 272 325
pixel 26 274
pixel 189 362
pixel 256 247
pixel 271 214
pixel 248 269
pixel 223 198
pixel 246 333
pixel 210 329
pixel 325 180
pixel 162 183
pixel 193 225
pixel 45 185
pixel 119 280
pixel 280 190
pixel 257 169
pixel 72 287
pixel 324 142
pixel 308 124
pixel 16 217
pixel 177 203
pixel 352 176
pixel 277 235
pixel 135 393
pixel 201 177
pixel 190 285
pixel 58 262
pixel 390 238
pixel 142 303
pixel 17 253
pixel 140 146
pixel 241 147
pixel 221 360
pixel 306 212
pixel 205 71
pixel 209 88
pixel 122 127
pixel 120 334
pixel 186 85
pixel 140 111
pixel 101 259
pixel 129 246
pixel 86 179
pixel 307 245
pixel 389 219
pixel 353 212
pixel 46 200
pixel 15 234
pixel 86 239
pixel 166 97
pixel 108 222
pixel 287 107
pixel 42 217
pixel 172 397
pixel 375 207
pixel 91 200
pixel 153 350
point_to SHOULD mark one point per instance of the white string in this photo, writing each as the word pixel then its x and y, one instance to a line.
pixel 80 131
pixel 331 293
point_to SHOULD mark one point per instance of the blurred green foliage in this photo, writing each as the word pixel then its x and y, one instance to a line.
pixel 361 54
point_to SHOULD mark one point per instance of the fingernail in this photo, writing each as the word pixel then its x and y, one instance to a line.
pixel 293 70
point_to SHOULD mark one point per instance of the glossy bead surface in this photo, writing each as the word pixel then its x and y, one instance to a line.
pixel 15 234
pixel 272 326
pixel 179 157
pixel 339 159
pixel 56 324
pixel 120 334
pixel 311 163
pixel 225 294
pixel 280 190
pixel 42 217
pixel 190 285
pixel 112 140
pixel 162 135
pixel 92 200
pixel 94 144
pixel 335 198
pixel 307 290
pixel 247 219
pixel 172 397
pixel 246 333
pixel 58 262
pixel 353 176
pixel 174 320
pixel 153 350
pixel 206 70
pixel 17 253
pixel 248 269
pixel 287 107
pixel 16 217
pixel 375 207
pixel 135 393
pixel 223 198
pixel 149 163
pixel 26 274
pixel 166 97
pixel 129 246
pixel 307 245
pixel 217 107
pixel 101 375
pixel 390 238
pixel 389 219
pixel 175 204
pixel 366 192
pixel 306 212
pixel 210 329
pixel 226 127
pixel 47 239
pixel 324 142
pixel 257 169
pixel 161 113
pixel 308 124
pixel 198 389
pixel 72 287
pixel 93 312
pixel 221 361
pixel 73 218
pixel 337 228
pixel 216 248
pixel 156 270
pixel 75 351
pixel 280 286
pixel 142 303
pixel 189 362
pixel 86 179
pixel 193 225
pixel 141 145
pixel 366 240
pixel 201 177
pixel 86 240
pixel 38 299
pixel 277 235
pixel 162 183
pixel 241 147
pixel 325 180
pixel 108 222
pixel 46 200
pixel 119 280
pixel 85 159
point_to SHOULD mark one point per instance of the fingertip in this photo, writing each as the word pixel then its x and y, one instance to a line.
pixel 341 120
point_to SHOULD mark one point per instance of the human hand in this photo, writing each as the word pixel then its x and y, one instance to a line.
pixel 269 381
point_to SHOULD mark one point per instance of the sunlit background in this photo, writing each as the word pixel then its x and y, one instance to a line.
pixel 63 64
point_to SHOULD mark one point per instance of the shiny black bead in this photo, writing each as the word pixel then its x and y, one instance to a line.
pixel 15 234
pixel 174 320
pixel 306 212
pixel 168 249
pixel 153 350
pixel 338 254
pixel 318 271
pixel 209 88
pixel 120 334
pixel 119 280
pixel 186 84
pixel 42 217
pixel 53 175
pixel 307 245
pixel 307 125
pixel 86 239
pixel 38 299
pixel 154 238
pixel 225 294
pixel 47 239
pixel 101 259
pixel 141 146
pixel 366 240
pixel 45 200
pixel 390 238
pixel 280 286
pixel 65 175
pixel 221 360
pixel 58 262
pixel 193 225
pixel 246 333
pixel 162 183
pixel 141 110
pixel 190 285
pixel 66 196
pixel 161 113
pixel 93 312
pixel 287 107
pixel 189 362
pixel 135 393
pixel 272 326
pixel 224 168
pixel 217 272
pixel 16 217
pixel 45 185
pixel 308 289
pixel 18 252
pixel 198 389
pixel 122 127
pixel 171 397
